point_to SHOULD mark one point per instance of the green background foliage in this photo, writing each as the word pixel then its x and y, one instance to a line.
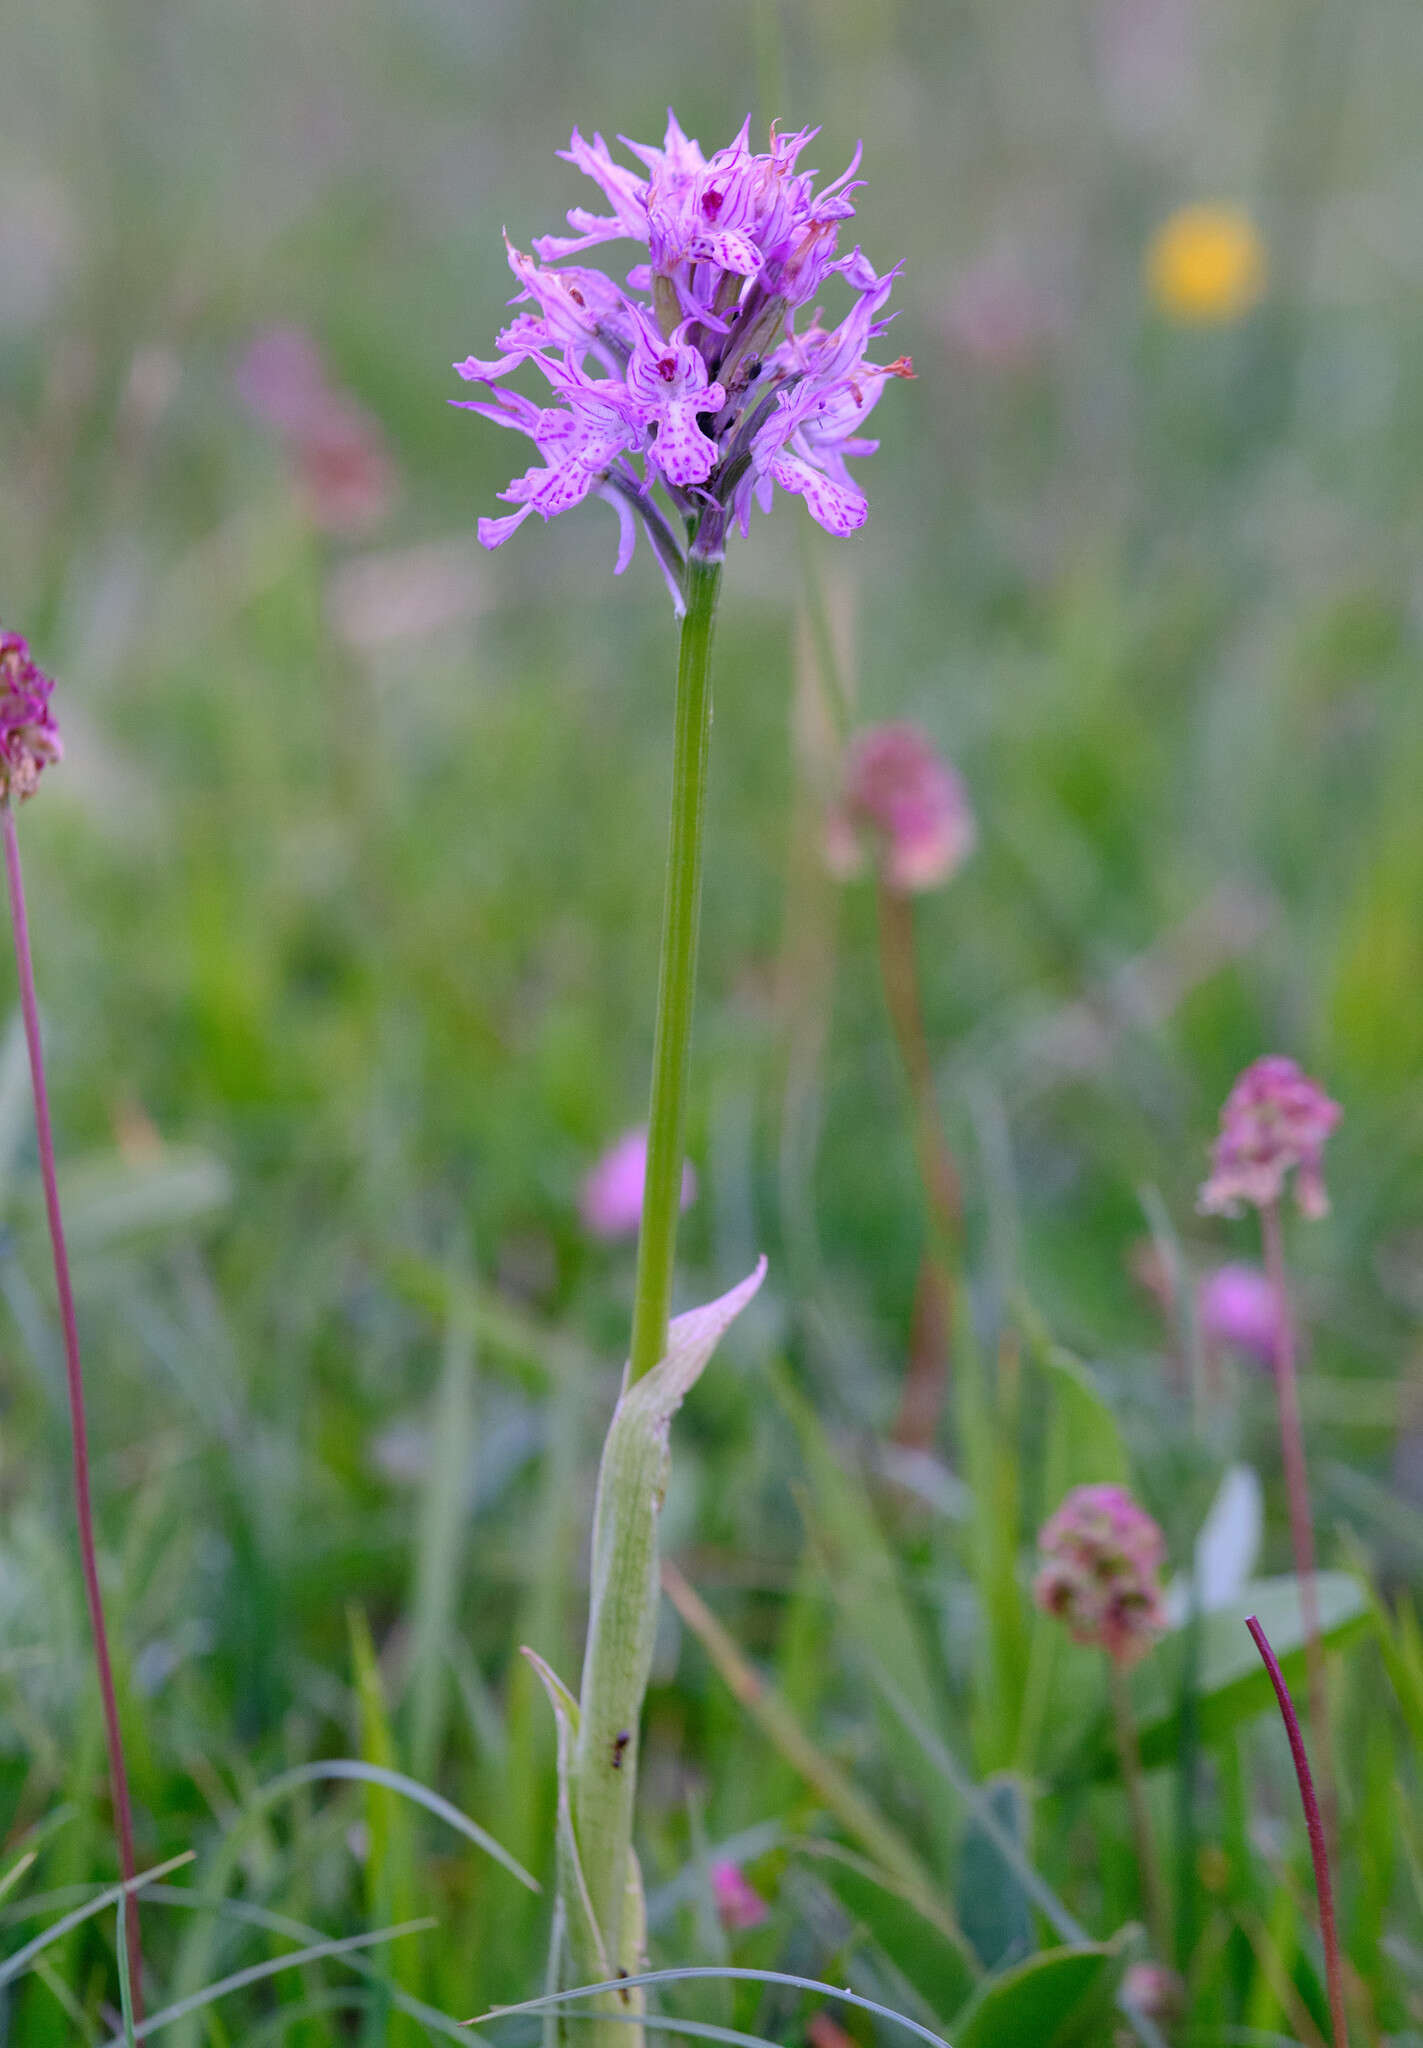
pixel 345 903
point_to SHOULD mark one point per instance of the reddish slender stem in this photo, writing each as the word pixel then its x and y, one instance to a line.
pixel 927 1377
pixel 1318 1848
pixel 118 1776
pixel 1297 1490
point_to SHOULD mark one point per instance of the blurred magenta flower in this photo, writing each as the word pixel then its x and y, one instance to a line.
pixel 29 737
pixel 902 806
pixel 1275 1119
pixel 1103 1557
pixel 697 370
pixel 739 1906
pixel 336 446
pixel 1154 1991
pixel 610 1202
pixel 1239 1307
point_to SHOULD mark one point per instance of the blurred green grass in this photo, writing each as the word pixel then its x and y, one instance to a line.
pixel 368 917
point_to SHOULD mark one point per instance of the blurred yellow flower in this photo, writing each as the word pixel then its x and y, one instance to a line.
pixel 1206 265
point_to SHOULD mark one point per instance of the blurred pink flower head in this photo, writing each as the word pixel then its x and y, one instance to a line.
pixel 29 737
pixel 739 1905
pixel 1275 1119
pixel 903 806
pixel 1155 1991
pixel 610 1202
pixel 1103 1556
pixel 1238 1307
pixel 1005 311
pixel 335 445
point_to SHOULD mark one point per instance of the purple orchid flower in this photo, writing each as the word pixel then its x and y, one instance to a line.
pixel 708 398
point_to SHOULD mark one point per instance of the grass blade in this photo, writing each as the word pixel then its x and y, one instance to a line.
pixel 16 1965
pixel 255 1973
pixel 707 1971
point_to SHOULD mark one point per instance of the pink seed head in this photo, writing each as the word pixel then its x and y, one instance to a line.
pixel 1275 1119
pixel 738 1904
pixel 29 737
pixel 1239 1308
pixel 902 804
pixel 1103 1555
pixel 610 1202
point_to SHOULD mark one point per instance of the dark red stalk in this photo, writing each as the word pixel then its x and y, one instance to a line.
pixel 1297 1489
pixel 118 1776
pixel 927 1376
pixel 1318 1848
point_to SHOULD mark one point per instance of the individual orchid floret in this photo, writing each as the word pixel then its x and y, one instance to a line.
pixel 1101 1575
pixel 29 737
pixel 579 443
pixel 1275 1121
pixel 667 382
pixel 610 1202
pixel 902 806
pixel 709 399
pixel 739 1906
pixel 1239 1310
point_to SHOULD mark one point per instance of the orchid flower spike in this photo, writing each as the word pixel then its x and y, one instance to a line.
pixel 1101 1574
pixel 691 379
pixel 904 807
pixel 29 737
pixel 1274 1122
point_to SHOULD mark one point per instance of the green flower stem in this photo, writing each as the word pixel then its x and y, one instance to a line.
pixel 676 988
pixel 601 1917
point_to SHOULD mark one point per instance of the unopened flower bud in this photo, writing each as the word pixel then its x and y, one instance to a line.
pixel 1239 1309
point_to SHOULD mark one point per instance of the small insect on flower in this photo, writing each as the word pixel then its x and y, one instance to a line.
pixel 1205 266
pixel 1275 1121
pixel 902 806
pixel 1103 1556
pixel 693 380
pixel 29 737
